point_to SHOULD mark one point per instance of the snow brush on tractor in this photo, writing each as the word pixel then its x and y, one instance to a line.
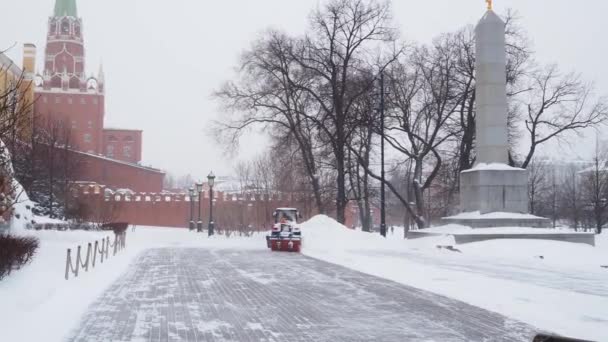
pixel 285 235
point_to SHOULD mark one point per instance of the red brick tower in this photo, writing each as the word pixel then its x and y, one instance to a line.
pixel 66 96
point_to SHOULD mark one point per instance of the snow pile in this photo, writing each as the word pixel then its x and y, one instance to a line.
pixel 555 286
pixel 39 296
pixel 322 234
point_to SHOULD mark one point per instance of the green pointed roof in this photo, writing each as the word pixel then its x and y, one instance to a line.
pixel 65 8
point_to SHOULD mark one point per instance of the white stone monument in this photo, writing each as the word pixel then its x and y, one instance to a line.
pixel 491 186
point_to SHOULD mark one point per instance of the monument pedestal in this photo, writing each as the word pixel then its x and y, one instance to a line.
pixel 494 188
pixel 495 195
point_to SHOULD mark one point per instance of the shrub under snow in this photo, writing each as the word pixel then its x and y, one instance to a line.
pixel 15 251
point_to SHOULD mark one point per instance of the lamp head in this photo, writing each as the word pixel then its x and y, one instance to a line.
pixel 211 179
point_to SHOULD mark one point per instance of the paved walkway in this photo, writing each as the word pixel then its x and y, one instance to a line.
pixel 225 295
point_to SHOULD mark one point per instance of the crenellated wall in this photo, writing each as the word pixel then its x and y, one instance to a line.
pixel 173 210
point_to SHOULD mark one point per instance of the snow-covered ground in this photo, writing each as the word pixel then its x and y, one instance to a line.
pixel 552 285
pixel 38 304
pixel 459 229
pixel 565 291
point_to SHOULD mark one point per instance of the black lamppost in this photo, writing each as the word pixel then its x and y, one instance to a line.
pixel 382 173
pixel 199 190
pixel 191 193
pixel 211 181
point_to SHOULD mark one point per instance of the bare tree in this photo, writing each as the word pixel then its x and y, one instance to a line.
pixel 268 94
pixel 538 185
pixel 595 189
pixel 559 104
pixel 16 103
pixel 570 204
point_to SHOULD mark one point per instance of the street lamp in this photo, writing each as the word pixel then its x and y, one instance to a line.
pixel 191 193
pixel 199 190
pixel 382 172
pixel 211 181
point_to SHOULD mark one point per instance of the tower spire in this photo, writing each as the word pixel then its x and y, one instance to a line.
pixel 100 75
pixel 65 8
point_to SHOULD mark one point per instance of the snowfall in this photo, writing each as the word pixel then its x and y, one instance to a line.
pixel 554 286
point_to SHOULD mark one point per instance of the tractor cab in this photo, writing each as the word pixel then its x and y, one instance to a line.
pixel 284 215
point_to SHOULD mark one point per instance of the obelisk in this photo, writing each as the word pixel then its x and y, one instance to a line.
pixel 492 186
pixel 491 90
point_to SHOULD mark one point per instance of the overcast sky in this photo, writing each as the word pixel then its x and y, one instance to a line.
pixel 163 59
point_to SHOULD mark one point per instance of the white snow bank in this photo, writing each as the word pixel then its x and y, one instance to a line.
pixel 459 229
pixel 493 166
pixel 504 276
pixel 577 256
pixel 476 215
pixel 39 296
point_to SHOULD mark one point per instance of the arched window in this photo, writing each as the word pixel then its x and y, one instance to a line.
pixel 56 82
pixel 128 138
pixel 53 28
pixel 74 83
pixel 77 30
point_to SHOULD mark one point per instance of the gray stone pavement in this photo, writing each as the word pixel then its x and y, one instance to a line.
pixel 226 295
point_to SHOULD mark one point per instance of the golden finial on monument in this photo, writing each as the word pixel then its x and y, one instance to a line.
pixel 489 4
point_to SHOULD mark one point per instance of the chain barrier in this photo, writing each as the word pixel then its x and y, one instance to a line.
pixel 91 254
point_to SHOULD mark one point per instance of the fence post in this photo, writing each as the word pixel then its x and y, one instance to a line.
pixel 86 263
pixel 103 248
pixel 77 262
pixel 67 264
pixel 115 243
pixel 94 254
pixel 107 247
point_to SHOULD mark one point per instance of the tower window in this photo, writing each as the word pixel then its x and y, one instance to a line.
pixel 126 151
pixel 87 138
pixel 110 150
pixel 65 27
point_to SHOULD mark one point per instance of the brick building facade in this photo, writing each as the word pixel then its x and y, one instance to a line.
pixel 122 144
pixel 117 174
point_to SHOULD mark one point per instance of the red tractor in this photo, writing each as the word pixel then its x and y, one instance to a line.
pixel 285 235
